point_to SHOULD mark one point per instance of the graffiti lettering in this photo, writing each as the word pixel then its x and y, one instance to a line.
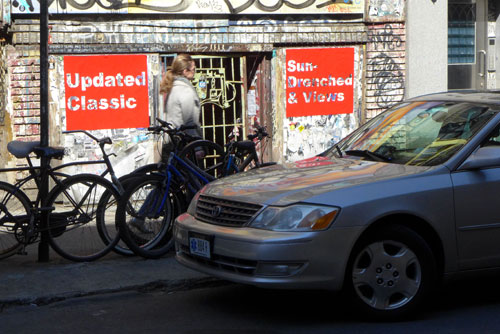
pixel 280 3
pixel 209 47
pixel 116 5
pixel 386 8
pixel 388 76
pixel 212 5
pixel 385 39
pixel 23 5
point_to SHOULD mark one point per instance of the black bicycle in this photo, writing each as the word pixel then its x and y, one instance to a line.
pixel 72 206
pixel 105 222
pixel 238 155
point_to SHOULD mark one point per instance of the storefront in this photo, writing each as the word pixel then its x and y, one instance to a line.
pixel 310 72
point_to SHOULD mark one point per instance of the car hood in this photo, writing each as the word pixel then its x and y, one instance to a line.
pixel 294 182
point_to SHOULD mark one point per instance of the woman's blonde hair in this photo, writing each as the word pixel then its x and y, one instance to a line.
pixel 181 62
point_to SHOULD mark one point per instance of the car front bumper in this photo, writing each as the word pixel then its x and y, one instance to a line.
pixel 312 260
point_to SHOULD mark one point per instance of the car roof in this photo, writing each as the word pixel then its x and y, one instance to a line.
pixel 487 97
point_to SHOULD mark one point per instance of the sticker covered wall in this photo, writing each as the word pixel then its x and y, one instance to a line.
pixel 106 92
pixel 319 81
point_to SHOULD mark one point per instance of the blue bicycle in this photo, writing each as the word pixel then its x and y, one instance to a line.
pixel 146 210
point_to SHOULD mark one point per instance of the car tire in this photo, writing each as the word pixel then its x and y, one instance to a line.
pixel 391 273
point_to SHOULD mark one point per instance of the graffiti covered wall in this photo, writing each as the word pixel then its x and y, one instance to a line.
pixel 385 71
pixel 195 36
pixel 189 35
pixel 190 6
pixel 379 39
pixel 306 136
pixel 379 84
pixel 131 147
pixel 24 72
pixel 386 10
pixel 385 55
pixel 5 126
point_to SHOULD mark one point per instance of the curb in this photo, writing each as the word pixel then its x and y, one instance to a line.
pixel 161 285
pixel 24 282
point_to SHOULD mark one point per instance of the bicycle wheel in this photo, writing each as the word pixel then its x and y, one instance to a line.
pixel 145 216
pixel 206 155
pixel 14 210
pixel 106 226
pixel 76 205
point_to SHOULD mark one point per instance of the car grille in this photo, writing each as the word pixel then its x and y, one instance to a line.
pixel 219 211
pixel 230 264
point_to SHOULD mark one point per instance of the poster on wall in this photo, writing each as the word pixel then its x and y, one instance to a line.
pixel 106 92
pixel 319 81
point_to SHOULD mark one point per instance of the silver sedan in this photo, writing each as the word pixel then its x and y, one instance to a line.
pixel 406 200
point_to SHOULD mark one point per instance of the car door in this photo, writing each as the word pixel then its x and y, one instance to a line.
pixel 477 214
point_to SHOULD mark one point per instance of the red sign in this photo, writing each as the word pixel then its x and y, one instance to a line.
pixel 106 92
pixel 319 81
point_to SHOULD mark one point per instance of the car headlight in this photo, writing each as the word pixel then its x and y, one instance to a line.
pixel 297 218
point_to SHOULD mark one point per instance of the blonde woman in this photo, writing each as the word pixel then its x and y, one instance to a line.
pixel 182 104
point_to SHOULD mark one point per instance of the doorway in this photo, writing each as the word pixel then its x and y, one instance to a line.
pixel 219 81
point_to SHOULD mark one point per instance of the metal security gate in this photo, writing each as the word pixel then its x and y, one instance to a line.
pixel 219 81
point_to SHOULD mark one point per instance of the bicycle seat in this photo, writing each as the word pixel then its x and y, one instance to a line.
pixel 49 152
pixel 22 149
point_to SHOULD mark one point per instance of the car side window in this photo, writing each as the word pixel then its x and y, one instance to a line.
pixel 494 138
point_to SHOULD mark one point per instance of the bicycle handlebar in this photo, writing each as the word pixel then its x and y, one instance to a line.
pixel 259 133
pixel 102 142
pixel 168 127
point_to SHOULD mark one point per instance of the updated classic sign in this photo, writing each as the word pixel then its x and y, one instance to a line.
pixel 106 92
pixel 319 81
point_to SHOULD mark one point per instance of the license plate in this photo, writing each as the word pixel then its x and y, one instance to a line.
pixel 200 245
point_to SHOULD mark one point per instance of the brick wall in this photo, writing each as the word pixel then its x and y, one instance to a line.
pixel 24 73
pixel 385 67
pixel 5 129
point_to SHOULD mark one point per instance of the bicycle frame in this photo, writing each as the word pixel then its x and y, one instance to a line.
pixel 53 173
pixel 231 165
pixel 171 170
pixel 191 169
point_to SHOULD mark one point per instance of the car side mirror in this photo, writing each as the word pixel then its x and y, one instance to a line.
pixel 484 157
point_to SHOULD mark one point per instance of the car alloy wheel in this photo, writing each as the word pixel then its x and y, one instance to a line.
pixel 391 273
pixel 386 275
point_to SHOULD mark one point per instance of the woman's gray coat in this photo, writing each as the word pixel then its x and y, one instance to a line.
pixel 183 106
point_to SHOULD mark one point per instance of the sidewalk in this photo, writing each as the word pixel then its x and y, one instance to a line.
pixel 24 280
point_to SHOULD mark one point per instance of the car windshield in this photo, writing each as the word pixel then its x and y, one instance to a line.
pixel 416 133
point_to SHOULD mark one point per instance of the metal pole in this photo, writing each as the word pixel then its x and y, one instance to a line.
pixel 43 246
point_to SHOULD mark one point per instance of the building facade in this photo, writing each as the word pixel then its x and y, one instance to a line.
pixel 248 56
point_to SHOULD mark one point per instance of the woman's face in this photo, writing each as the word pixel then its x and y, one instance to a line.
pixel 189 72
